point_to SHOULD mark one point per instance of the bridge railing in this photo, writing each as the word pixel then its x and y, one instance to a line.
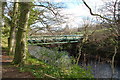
pixel 56 38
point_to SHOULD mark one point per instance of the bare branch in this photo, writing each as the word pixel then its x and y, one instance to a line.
pixel 115 10
pixel 96 14
pixel 46 8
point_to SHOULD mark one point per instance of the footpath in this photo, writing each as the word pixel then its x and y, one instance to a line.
pixel 11 71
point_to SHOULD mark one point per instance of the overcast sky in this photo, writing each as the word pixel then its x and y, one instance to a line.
pixel 78 12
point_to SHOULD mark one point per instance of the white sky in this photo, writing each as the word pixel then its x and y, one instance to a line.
pixel 78 11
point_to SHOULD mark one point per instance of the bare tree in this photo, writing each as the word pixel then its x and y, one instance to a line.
pixel 114 23
pixel 48 16
pixel 86 35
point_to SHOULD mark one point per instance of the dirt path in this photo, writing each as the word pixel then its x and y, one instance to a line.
pixel 11 71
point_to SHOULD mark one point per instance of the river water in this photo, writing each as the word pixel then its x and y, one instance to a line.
pixel 102 69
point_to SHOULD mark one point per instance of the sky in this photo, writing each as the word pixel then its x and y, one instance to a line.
pixel 78 12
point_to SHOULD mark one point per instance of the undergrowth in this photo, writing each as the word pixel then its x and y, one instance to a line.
pixel 41 69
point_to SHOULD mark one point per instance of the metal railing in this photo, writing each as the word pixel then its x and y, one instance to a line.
pixel 54 39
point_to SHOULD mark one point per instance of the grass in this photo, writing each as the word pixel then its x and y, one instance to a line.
pixel 41 69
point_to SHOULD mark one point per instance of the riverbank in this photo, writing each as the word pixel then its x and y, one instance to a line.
pixel 35 68
pixel 100 66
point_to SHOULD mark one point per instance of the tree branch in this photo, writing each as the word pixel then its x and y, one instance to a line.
pixel 46 8
pixel 96 14
pixel 115 10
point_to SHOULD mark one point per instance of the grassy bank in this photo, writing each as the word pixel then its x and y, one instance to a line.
pixel 41 69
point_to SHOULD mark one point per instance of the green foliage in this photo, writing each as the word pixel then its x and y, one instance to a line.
pixel 40 70
pixel 4 42
pixel 5 35
pixel 5 31
pixel 49 63
pixel 77 72
pixel 33 16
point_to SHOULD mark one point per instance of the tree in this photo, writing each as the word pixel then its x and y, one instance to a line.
pixel 21 47
pixel 47 17
pixel 15 16
pixel 10 15
pixel 114 23
pixel 86 34
pixel 11 39
pixel 113 20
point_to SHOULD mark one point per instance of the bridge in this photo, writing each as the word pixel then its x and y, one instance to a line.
pixel 54 39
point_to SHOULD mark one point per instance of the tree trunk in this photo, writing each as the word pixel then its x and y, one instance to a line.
pixel 79 54
pixel 21 49
pixel 113 59
pixel 11 39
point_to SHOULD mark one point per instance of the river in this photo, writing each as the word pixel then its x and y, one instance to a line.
pixel 102 69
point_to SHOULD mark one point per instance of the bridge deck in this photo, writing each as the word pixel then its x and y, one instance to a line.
pixel 54 39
